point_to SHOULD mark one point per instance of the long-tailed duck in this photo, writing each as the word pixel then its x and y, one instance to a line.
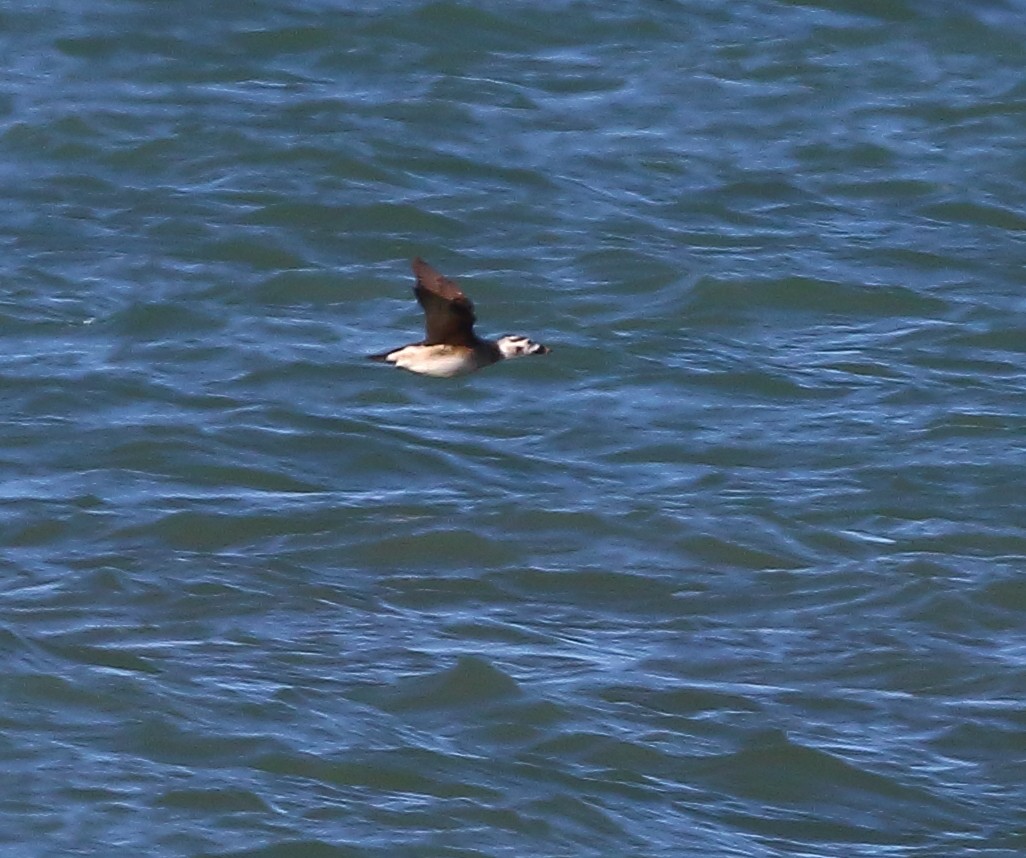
pixel 451 346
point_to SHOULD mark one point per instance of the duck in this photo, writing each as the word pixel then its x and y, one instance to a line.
pixel 451 347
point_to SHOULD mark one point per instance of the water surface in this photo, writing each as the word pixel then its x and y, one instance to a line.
pixel 735 571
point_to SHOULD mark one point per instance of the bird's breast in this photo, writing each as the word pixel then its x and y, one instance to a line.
pixel 442 361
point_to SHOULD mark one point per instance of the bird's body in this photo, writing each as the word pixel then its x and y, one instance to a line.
pixel 451 347
pixel 439 360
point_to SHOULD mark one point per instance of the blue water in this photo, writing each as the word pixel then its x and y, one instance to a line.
pixel 737 570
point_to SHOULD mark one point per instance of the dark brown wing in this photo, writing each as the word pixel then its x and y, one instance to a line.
pixel 448 313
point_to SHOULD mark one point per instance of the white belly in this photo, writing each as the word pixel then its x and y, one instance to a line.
pixel 439 361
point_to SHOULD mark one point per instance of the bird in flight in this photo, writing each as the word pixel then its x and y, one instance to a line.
pixel 451 347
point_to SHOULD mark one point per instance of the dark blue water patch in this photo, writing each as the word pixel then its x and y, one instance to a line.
pixel 313 848
pixel 225 800
pixel 472 682
pixel 812 297
pixel 733 570
pixel 977 214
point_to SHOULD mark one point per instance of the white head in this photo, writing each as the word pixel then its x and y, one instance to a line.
pixel 512 346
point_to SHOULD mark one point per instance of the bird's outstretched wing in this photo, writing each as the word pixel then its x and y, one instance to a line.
pixel 448 313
